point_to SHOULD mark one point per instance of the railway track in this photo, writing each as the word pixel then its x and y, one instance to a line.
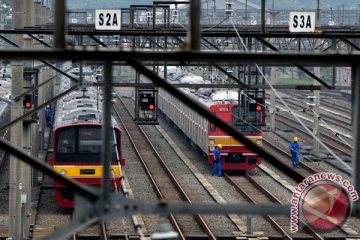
pixel 339 119
pixel 166 185
pixel 249 187
pixel 297 175
pixel 329 140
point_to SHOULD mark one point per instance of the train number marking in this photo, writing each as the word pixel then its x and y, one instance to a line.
pixel 302 22
pixel 107 19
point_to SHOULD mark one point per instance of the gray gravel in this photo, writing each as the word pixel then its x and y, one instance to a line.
pixel 225 190
pixel 139 182
pixel 4 193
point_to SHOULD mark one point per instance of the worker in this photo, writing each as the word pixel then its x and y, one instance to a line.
pixel 295 152
pixel 217 161
pixel 48 116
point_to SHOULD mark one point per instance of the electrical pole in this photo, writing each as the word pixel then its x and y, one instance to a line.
pixel 17 168
pixel 316 113
pixel 272 100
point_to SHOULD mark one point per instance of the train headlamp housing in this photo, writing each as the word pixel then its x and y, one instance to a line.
pixel 63 172
pixel 258 142
pixel 212 142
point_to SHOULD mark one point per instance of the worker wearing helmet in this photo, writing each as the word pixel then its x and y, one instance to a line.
pixel 217 161
pixel 295 152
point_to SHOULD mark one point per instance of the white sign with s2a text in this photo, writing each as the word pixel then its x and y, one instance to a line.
pixel 107 19
pixel 302 22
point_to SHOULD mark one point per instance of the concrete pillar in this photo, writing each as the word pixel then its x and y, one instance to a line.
pixel 16 166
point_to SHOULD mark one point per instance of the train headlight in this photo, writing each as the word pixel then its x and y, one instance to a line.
pixel 258 142
pixel 112 172
pixel 212 142
pixel 63 172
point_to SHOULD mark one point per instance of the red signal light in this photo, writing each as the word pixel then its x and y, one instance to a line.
pixel 151 107
pixel 27 102
pixel 258 108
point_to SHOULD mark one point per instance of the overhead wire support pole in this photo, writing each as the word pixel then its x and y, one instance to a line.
pixel 17 168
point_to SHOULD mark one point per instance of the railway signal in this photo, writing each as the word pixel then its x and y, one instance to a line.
pixel 258 108
pixel 146 110
pixel 147 102
pixel 27 102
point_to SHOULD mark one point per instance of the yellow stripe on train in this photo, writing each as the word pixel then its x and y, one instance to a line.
pixel 231 141
pixel 84 171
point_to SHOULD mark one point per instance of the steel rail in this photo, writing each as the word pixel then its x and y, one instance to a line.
pixel 199 218
pixel 273 198
pixel 172 218
pixel 250 199
pixel 332 142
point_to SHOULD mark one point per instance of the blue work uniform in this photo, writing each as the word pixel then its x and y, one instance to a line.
pixel 295 153
pixel 48 116
pixel 217 162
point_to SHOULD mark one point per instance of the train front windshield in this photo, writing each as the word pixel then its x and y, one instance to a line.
pixel 80 144
pixel 246 120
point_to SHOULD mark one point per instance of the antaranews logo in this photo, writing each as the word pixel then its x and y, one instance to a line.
pixel 322 201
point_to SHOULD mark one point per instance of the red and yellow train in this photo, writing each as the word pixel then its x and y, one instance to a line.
pixel 245 115
pixel 77 141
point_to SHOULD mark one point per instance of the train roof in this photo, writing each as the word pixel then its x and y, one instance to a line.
pixel 81 103
pixel 213 97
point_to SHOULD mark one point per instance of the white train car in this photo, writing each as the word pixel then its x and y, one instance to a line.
pixel 189 121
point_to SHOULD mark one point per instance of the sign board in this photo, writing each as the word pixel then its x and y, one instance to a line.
pixel 302 22
pixel 107 19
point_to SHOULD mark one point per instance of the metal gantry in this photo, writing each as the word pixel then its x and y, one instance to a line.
pixel 190 40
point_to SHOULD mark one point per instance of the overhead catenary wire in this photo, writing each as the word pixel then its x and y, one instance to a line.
pixel 288 108
pixel 331 129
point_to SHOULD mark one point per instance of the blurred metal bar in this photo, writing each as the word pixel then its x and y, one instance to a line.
pixel 60 13
pixel 106 131
pixel 46 169
pixel 45 62
pixel 262 16
pixel 356 136
pixel 194 32
pixel 272 59
pixel 31 112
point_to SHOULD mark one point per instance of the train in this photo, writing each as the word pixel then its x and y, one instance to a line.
pixel 246 115
pixel 77 142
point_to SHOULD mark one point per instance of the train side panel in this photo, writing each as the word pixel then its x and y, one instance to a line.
pixel 190 122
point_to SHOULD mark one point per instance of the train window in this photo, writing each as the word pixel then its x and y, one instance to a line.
pixel 248 121
pixel 87 117
pixel 89 140
pixel 66 141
